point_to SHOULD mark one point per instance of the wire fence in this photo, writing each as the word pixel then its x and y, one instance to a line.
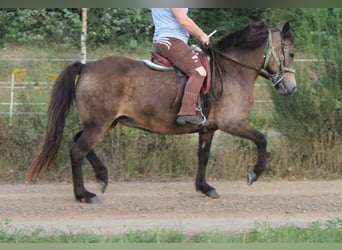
pixel 10 104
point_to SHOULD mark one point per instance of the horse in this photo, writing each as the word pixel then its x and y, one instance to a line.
pixel 119 90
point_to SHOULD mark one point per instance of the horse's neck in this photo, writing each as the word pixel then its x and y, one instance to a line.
pixel 237 79
pixel 244 64
pixel 253 58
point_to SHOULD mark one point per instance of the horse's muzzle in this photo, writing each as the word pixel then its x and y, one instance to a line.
pixel 287 86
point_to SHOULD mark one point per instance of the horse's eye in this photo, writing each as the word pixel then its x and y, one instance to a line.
pixel 291 54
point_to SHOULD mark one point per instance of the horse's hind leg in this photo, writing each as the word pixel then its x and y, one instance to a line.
pixel 205 140
pixel 78 152
pixel 101 172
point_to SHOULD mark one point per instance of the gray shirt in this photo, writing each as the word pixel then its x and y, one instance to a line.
pixel 166 25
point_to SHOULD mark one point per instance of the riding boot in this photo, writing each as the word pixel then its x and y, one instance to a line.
pixel 189 102
pixel 187 112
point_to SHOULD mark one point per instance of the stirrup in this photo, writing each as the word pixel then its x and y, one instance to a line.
pixel 204 121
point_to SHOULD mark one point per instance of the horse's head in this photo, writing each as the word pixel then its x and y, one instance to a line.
pixel 279 59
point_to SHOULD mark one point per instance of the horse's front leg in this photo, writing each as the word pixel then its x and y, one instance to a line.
pixel 205 140
pixel 244 130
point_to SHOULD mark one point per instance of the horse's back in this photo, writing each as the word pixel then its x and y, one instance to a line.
pixel 111 65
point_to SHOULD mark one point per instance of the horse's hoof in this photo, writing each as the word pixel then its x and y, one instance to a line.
pixel 213 194
pixel 102 186
pixel 93 200
pixel 251 177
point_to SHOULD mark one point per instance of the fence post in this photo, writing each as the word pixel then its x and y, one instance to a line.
pixel 12 100
pixel 84 36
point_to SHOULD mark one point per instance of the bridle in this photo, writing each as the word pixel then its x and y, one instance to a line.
pixel 269 52
pixel 280 61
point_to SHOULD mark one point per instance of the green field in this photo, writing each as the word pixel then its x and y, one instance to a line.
pixel 317 232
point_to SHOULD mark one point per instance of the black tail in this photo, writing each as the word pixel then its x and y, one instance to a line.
pixel 62 98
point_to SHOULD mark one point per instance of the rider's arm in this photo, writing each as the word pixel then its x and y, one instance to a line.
pixel 190 25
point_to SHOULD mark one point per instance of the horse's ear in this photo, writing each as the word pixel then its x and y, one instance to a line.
pixel 286 30
pixel 285 27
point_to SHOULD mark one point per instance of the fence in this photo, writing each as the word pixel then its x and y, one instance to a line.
pixel 15 84
pixel 12 103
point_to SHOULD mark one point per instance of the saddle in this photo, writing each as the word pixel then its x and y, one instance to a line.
pixel 160 63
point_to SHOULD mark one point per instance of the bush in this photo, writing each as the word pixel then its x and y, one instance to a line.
pixel 40 25
pixel 311 119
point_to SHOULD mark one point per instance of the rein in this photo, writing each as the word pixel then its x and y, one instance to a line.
pixel 268 53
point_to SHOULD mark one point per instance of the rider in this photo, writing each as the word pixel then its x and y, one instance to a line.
pixel 172 30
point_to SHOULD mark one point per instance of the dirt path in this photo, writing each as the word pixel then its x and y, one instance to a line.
pixel 173 205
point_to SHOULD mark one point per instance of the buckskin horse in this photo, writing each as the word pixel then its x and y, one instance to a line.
pixel 117 89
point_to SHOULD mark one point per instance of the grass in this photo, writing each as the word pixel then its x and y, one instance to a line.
pixel 316 232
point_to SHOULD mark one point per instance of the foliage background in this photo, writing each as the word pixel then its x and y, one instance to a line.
pixel 307 125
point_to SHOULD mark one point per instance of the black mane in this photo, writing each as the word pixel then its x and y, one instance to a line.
pixel 252 36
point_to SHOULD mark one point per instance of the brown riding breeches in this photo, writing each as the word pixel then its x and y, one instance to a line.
pixel 187 60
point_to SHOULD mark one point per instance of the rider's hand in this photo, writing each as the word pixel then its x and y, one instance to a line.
pixel 204 39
